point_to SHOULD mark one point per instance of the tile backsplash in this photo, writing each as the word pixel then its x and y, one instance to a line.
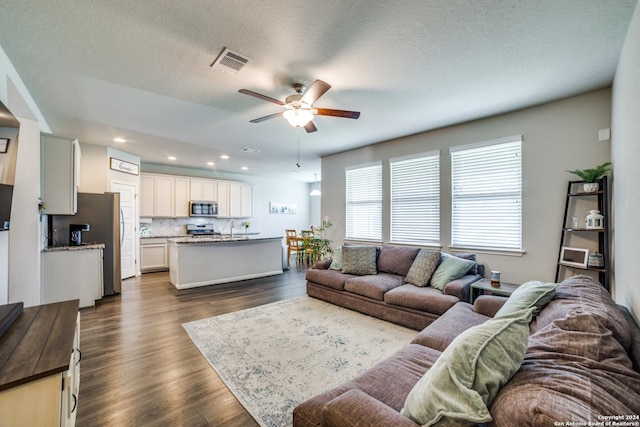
pixel 178 226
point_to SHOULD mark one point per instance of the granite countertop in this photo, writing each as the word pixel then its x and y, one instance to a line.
pixel 238 238
pixel 82 247
pixel 164 236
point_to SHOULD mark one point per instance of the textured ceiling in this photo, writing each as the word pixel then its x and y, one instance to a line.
pixel 141 69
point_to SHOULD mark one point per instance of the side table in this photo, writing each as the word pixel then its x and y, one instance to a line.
pixel 482 285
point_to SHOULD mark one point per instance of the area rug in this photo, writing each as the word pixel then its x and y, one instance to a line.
pixel 276 356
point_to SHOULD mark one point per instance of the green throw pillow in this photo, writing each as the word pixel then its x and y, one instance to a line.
pixel 360 260
pixel 450 268
pixel 336 262
pixel 423 267
pixel 465 379
pixel 531 294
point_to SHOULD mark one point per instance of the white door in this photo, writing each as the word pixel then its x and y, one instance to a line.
pixel 128 237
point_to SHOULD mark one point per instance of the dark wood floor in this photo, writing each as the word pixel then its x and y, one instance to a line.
pixel 140 368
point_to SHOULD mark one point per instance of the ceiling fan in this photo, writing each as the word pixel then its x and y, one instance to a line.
pixel 299 110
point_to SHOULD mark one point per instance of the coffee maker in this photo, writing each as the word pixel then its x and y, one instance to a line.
pixel 75 233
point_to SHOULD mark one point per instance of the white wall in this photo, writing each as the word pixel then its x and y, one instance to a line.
pixel 625 156
pixel 24 236
pixel 25 240
pixel 556 136
pixel 93 169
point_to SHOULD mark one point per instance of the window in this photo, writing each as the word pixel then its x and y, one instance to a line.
pixel 364 202
pixel 415 199
pixel 487 195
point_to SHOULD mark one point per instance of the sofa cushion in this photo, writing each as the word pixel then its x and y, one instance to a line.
pixel 584 294
pixel 373 286
pixel 360 260
pixel 442 331
pixel 330 278
pixel 420 298
pixel 396 259
pixel 450 268
pixel 423 266
pixel 574 370
pixel 336 262
pixel 468 374
pixel 471 257
pixel 530 294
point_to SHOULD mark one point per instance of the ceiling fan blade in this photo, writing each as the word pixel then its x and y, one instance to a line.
pixel 310 127
pixel 262 119
pixel 317 89
pixel 338 113
pixel 259 95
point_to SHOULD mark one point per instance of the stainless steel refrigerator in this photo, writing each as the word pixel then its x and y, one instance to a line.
pixel 102 213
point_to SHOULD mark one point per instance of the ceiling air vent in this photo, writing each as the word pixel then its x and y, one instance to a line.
pixel 249 150
pixel 230 62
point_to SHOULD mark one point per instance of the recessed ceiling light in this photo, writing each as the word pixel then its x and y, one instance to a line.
pixel 118 139
pixel 224 156
pixel 244 168
pixel 171 158
pixel 210 163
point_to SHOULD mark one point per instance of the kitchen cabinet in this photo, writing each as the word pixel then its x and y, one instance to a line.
pixel 204 189
pixel 181 197
pixel 166 196
pixel 60 166
pixel 147 195
pixel 157 196
pixel 235 200
pixel 223 200
pixel 153 254
pixel 165 187
pixel 40 377
pixel 72 273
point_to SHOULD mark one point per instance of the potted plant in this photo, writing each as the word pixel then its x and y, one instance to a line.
pixel 591 176
pixel 321 245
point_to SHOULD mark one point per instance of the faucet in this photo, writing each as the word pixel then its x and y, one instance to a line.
pixel 232 224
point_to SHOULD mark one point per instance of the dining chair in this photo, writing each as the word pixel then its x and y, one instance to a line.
pixel 308 250
pixel 294 245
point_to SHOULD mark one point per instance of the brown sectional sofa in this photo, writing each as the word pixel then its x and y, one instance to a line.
pixel 385 295
pixel 582 364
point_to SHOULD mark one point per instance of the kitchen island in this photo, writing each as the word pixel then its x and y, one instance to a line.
pixel 202 261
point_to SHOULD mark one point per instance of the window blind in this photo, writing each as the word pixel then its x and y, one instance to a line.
pixel 415 199
pixel 364 202
pixel 487 195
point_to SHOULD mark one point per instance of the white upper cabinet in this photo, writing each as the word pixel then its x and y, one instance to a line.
pixel 59 173
pixel 167 196
pixel 181 197
pixel 204 189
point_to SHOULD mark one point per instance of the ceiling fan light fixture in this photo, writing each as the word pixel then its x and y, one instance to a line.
pixel 298 117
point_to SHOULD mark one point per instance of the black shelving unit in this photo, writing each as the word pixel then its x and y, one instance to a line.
pixel 574 190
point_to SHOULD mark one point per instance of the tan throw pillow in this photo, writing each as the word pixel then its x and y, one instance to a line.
pixel 463 382
pixel 360 260
pixel 423 267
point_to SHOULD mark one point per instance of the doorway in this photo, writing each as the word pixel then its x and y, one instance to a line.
pixel 128 229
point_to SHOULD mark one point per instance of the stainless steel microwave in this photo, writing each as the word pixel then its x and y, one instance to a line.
pixel 203 208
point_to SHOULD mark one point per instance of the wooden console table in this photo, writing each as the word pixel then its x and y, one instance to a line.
pixel 40 366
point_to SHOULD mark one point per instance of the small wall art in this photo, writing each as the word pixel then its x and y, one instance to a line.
pixel 282 208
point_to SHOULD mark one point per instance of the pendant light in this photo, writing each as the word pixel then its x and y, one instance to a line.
pixel 315 191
